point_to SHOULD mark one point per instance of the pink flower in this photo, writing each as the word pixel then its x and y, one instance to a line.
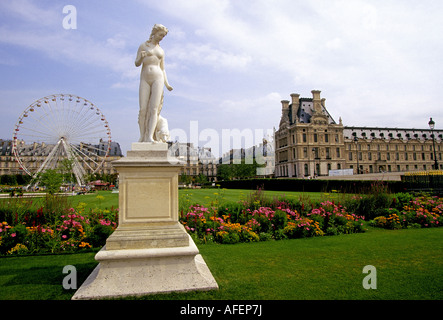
pixel 64 236
pixel 13 235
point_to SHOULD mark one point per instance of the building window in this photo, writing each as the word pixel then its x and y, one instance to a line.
pixel 350 156
pixel 306 170
pixel 326 137
pixel 338 152
pixel 315 137
pixel 304 137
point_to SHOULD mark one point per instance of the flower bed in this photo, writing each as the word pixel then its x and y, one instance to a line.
pixel 421 212
pixel 242 224
pixel 54 229
pixel 66 232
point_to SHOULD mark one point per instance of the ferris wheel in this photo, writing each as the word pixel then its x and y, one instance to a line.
pixel 63 132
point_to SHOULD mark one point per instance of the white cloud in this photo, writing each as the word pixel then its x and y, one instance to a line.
pixel 29 13
pixel 204 54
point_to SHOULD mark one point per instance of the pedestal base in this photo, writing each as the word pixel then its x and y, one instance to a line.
pixel 150 251
pixel 136 272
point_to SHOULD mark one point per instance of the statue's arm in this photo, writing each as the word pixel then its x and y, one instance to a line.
pixel 140 56
pixel 162 66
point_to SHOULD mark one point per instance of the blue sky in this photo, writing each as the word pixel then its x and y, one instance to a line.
pixel 231 62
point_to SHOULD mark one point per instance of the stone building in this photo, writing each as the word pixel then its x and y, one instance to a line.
pixel 309 142
pixel 197 160
pixel 33 155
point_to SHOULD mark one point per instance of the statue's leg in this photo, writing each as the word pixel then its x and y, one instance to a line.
pixel 153 105
pixel 144 93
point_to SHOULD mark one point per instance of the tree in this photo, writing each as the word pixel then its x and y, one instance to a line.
pixel 201 178
pixel 51 179
pixel 239 171
pixel 185 179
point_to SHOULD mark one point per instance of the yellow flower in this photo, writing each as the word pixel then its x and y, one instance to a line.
pixel 84 244
pixel 19 248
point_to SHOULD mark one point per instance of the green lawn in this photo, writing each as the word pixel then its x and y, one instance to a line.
pixel 208 196
pixel 200 196
pixel 107 199
pixel 409 266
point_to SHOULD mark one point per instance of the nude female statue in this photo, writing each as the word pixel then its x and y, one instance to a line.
pixel 153 127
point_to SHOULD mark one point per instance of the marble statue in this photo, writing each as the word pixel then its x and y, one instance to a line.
pixel 153 127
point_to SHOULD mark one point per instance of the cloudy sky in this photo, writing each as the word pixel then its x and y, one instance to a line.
pixel 231 62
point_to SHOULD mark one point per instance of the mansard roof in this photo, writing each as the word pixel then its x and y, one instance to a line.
pixel 391 133
pixel 306 110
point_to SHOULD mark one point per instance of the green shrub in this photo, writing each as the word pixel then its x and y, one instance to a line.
pixel 99 234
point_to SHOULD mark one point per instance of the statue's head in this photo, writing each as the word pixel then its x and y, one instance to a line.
pixel 159 31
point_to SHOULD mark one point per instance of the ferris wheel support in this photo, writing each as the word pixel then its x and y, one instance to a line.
pixel 77 169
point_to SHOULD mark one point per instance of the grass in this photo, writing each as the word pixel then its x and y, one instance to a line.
pixel 205 197
pixel 408 262
pixel 107 199
pixel 41 277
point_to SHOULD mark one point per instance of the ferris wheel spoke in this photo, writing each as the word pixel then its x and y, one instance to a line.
pixel 50 158
pixel 93 132
pixel 84 113
pixel 35 133
pixel 77 168
pixel 83 130
pixel 96 149
pixel 49 113
pixel 82 161
pixel 53 112
pixel 47 123
pixel 85 155
pixel 87 125
pixel 77 118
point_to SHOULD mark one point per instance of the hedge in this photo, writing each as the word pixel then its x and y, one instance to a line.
pixel 312 185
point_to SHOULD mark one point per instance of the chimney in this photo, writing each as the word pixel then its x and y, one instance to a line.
pixel 295 105
pixel 316 100
pixel 285 104
pixel 284 113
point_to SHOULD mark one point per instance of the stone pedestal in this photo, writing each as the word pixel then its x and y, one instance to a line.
pixel 150 251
